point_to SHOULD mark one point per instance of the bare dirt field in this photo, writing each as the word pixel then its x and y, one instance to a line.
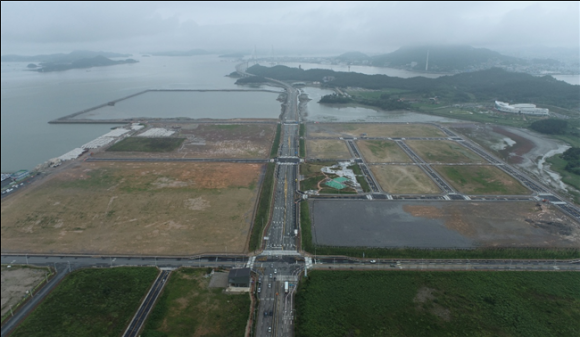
pixel 482 180
pixel 134 208
pixel 441 224
pixel 327 149
pixel 443 151
pixel 16 280
pixel 382 151
pixel 404 180
pixel 243 141
pixel 373 130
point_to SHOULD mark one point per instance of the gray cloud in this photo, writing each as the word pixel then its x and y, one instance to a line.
pixel 316 26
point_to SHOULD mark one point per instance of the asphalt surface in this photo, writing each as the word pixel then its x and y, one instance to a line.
pixel 145 308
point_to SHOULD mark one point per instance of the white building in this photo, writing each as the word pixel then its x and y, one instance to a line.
pixel 526 109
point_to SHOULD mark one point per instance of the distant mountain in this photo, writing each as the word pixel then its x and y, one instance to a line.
pixel 353 56
pixel 70 57
pixel 191 52
pixel 97 61
pixel 446 59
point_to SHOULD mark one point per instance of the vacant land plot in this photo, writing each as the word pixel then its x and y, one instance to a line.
pixel 16 281
pixel 327 149
pixel 140 144
pixel 405 303
pixel 373 130
pixel 444 151
pixel 382 151
pixel 404 180
pixel 134 208
pixel 242 141
pixel 481 180
pixel 188 307
pixel 356 223
pixel 91 302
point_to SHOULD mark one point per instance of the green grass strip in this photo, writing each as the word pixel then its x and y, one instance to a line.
pixel 306 227
pixel 276 144
pixel 477 253
pixel 263 210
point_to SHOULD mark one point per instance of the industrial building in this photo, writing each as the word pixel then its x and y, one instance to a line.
pixel 524 108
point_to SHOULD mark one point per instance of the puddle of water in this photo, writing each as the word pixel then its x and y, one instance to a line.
pixel 552 176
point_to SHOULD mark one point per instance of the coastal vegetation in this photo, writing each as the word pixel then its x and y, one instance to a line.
pixel 97 61
pixel 408 303
pixel 188 307
pixel 90 302
pixel 478 86
pixel 142 144
pixel 550 126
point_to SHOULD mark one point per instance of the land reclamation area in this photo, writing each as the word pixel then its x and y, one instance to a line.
pixel 134 208
pixel 188 307
pixel 404 303
pixel 90 302
pixel 408 224
pixel 231 141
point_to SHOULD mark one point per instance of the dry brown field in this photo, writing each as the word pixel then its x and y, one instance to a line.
pixel 134 208
pixel 481 180
pixel 327 149
pixel 373 130
pixel 410 179
pixel 444 151
pixel 243 141
pixel 382 151
pixel 16 281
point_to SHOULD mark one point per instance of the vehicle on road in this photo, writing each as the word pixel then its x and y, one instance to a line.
pixel 373 261
pixel 286 287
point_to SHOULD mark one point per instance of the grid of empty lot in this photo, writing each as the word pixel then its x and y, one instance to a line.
pixel 239 141
pixel 361 223
pixel 382 151
pixel 134 208
pixel 395 179
pixel 443 151
pixel 481 180
pixel 373 130
pixel 327 149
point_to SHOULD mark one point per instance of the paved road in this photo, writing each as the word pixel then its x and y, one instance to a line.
pixel 143 312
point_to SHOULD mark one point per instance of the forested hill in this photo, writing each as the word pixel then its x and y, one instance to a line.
pixel 444 58
pixel 484 85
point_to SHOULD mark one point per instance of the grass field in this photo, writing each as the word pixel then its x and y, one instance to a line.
pixel 141 144
pixel 16 281
pixel 481 180
pixel 187 307
pixel 405 303
pixel 90 302
pixel 134 208
pixel 373 130
pixel 382 151
pixel 559 165
pixel 327 149
pixel 443 152
pixel 404 180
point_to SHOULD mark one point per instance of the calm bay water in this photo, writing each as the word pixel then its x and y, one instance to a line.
pixel 30 99
pixel 215 105
pixel 331 113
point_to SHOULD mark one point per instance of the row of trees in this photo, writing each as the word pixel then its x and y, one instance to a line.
pixel 572 156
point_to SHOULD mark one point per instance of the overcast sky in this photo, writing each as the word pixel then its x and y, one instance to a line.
pixel 317 27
